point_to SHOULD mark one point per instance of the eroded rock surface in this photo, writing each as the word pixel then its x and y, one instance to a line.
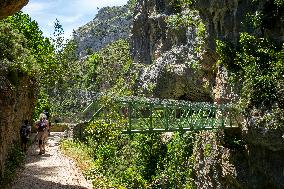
pixel 250 158
pixel 9 7
pixel 172 68
pixel 109 25
pixel 247 158
pixel 17 100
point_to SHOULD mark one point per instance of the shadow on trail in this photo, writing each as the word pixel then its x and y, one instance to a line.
pixel 46 171
pixel 42 171
pixel 54 138
pixel 33 151
pixel 37 183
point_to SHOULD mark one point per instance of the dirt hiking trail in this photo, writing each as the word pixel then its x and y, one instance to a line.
pixel 51 170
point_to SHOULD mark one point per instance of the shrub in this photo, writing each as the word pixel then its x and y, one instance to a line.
pixel 14 160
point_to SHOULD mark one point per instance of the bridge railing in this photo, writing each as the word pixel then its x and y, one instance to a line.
pixel 146 115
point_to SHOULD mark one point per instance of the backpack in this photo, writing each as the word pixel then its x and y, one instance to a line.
pixel 42 125
pixel 24 131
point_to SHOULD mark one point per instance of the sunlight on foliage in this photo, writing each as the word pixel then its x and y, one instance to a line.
pixel 42 104
pixel 113 70
pixel 41 60
pixel 258 64
pixel 137 161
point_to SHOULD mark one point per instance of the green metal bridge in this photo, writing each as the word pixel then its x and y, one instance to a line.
pixel 148 115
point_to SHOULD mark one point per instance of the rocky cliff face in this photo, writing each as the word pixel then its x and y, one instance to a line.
pixel 168 53
pixel 248 157
pixel 8 7
pixel 15 103
pixel 226 20
pixel 17 100
pixel 109 25
pixel 257 162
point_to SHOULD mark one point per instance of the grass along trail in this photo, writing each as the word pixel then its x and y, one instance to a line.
pixel 51 170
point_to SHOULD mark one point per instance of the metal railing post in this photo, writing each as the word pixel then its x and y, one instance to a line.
pixel 129 117
pixel 151 117
pixel 166 117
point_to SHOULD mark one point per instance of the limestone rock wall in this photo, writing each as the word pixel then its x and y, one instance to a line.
pixel 17 101
pixel 228 160
pixel 8 7
pixel 256 163
pixel 251 157
pixel 171 68
pixel 151 36
pixel 225 20
pixel 109 25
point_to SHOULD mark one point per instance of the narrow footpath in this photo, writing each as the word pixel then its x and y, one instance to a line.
pixel 52 170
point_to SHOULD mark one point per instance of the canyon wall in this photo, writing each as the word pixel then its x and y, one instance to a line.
pixel 109 25
pixel 171 68
pixel 247 157
pixel 17 100
pixel 251 156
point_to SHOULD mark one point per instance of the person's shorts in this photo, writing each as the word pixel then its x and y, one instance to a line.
pixel 42 136
pixel 24 140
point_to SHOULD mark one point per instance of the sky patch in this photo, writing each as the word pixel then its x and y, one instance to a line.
pixel 71 13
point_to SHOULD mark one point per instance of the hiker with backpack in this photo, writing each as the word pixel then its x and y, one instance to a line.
pixel 42 128
pixel 25 132
pixel 46 113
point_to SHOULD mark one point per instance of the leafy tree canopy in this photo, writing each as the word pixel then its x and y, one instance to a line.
pixel 15 54
pixel 37 50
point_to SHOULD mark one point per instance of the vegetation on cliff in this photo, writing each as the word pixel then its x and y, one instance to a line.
pixel 26 52
pixel 109 25
pixel 26 49
pixel 257 61
pixel 25 63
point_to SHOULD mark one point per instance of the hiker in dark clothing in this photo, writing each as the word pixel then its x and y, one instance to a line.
pixel 25 132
